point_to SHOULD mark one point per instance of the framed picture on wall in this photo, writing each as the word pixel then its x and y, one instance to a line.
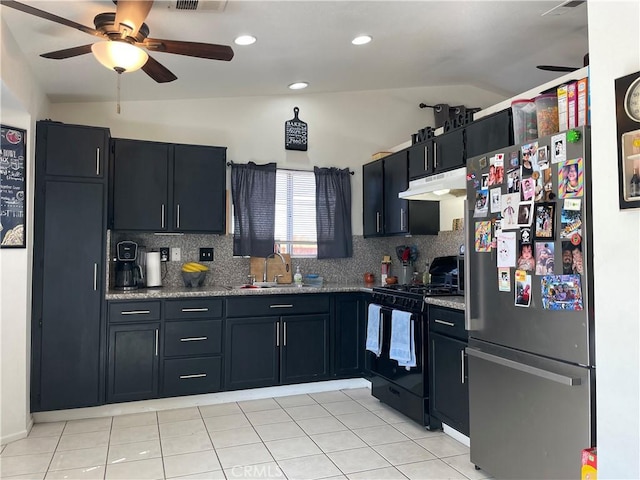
pixel 627 91
pixel 13 169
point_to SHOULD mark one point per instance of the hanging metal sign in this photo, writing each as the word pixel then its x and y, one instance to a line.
pixel 295 133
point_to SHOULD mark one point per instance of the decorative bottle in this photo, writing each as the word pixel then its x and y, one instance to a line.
pixel 297 277
pixel 634 187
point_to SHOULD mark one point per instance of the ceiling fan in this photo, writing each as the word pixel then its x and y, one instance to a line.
pixel 125 29
pixel 560 68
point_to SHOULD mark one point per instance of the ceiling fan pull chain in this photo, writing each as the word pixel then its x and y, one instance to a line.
pixel 118 95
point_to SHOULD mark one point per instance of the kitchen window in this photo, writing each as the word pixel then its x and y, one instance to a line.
pixel 295 229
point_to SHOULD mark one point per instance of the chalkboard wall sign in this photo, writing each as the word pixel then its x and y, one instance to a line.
pixel 295 133
pixel 12 187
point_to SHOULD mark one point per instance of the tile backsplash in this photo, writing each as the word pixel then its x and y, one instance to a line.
pixel 229 270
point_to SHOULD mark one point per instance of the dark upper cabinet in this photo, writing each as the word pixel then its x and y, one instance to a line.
pixel 164 187
pixel 420 159
pixel 449 151
pixel 372 180
pixel 396 180
pixel 74 150
pixel 489 133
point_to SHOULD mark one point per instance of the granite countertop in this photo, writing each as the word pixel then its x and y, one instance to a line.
pixel 455 302
pixel 225 291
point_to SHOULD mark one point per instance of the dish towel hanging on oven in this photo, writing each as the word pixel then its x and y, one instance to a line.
pixel 374 330
pixel 403 347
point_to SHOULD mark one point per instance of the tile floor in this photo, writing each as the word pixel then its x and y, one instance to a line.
pixel 337 434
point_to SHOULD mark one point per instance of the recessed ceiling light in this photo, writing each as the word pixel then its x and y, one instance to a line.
pixel 245 40
pixel 362 40
pixel 298 85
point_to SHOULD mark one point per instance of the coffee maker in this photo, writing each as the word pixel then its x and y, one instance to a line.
pixel 128 272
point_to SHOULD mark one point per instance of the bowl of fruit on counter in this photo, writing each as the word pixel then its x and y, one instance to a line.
pixel 193 274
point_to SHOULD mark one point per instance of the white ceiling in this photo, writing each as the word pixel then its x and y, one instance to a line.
pixel 494 45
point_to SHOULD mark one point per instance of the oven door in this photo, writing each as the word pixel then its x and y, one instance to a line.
pixel 410 379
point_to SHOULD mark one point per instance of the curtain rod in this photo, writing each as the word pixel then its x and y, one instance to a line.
pixel 351 172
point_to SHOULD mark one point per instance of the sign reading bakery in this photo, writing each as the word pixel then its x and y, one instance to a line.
pixel 12 187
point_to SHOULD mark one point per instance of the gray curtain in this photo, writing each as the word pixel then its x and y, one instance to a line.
pixel 333 212
pixel 253 192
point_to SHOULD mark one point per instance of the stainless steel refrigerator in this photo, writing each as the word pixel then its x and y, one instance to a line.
pixel 531 358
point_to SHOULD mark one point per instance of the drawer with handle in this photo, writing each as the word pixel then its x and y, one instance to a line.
pixel 447 321
pixel 187 376
pixel 134 311
pixel 276 305
pixel 194 308
pixel 197 337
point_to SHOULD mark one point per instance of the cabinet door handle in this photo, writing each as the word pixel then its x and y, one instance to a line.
pixel 198 309
pixel 426 158
pixel 284 334
pixel 377 222
pixel 277 334
pixel 435 156
pixel 95 277
pixel 193 339
pixel 162 216
pixel 98 161
pixel 195 375
pixel 443 322
pixel 402 219
pixel 178 215
pixel 156 342
pixel 462 365
pixel 135 312
pixel 282 305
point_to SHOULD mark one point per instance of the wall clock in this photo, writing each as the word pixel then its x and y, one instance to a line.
pixel 627 91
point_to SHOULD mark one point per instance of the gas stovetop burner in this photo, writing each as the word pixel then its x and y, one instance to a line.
pixel 420 289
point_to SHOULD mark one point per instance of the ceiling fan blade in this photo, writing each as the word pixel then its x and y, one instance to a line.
pixel 157 71
pixel 50 16
pixel 556 68
pixel 68 52
pixel 191 49
pixel 132 13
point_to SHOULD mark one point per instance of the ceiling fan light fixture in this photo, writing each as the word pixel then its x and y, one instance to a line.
pixel 245 40
pixel 298 85
pixel 362 40
pixel 119 56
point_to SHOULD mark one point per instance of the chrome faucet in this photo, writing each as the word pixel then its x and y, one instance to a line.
pixel 284 262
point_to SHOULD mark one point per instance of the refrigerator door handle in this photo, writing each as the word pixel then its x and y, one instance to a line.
pixel 522 367
pixel 467 269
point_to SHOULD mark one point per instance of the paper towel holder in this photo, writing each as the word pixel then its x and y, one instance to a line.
pixel 153 273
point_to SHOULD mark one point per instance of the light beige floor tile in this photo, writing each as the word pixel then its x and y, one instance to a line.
pixel 187 444
pixel 328 397
pixel 269 470
pixel 358 460
pixel 27 476
pixel 379 435
pixel 226 422
pixel 292 448
pixel 357 393
pixel 309 468
pixel 24 464
pixel 265 417
pixel 295 400
pixel 336 477
pixel 403 452
pixel 87 425
pixel 414 430
pixel 390 415
pixel 83 440
pixel 279 431
pixel 150 469
pixel 341 408
pixel 52 429
pixel 430 470
pixel 307 411
pixel 30 446
pixel 336 441
pixel 244 455
pixel 87 457
pixel 132 452
pixel 191 463
pixel 371 403
pixel 257 405
pixel 313 426
pixel 463 464
pixel 389 473
pixel 443 446
pixel 219 409
pixel 182 428
pixel 217 475
pixel 235 437
pixel 360 420
pixel 134 434
pixel 178 415
pixel 135 420
pixel 85 473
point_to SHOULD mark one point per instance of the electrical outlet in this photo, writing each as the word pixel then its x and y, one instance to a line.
pixel 164 254
pixel 206 254
pixel 175 254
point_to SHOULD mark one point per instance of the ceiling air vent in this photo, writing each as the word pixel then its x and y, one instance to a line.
pixel 195 5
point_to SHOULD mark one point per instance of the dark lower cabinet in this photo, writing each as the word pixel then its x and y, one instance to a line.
pixel 304 350
pixel 133 362
pixel 348 335
pixel 188 376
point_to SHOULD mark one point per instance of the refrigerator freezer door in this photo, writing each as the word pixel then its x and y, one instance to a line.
pixel 530 417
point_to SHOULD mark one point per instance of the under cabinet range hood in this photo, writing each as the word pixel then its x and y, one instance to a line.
pixel 441 186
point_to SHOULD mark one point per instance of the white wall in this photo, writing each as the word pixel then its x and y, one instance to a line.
pixel 20 102
pixel 614 51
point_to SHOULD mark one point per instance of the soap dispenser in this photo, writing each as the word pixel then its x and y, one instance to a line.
pixel 297 277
